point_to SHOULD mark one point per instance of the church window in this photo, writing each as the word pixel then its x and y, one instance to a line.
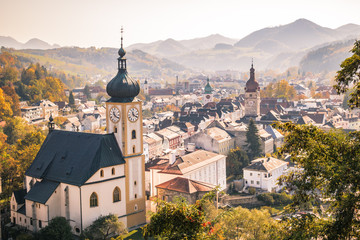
pixel 77 230
pixel 102 173
pixel 135 183
pixel 31 221
pixel 31 183
pixel 116 195
pixel 40 224
pixel 134 149
pixel 135 195
pixel 113 171
pixel 250 95
pixel 136 207
pixel 115 129
pixel 94 200
pixel 133 134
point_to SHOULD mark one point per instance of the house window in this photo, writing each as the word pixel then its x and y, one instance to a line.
pixel 250 174
pixel 133 134
pixel 257 182
pixel 77 230
pixel 113 171
pixel 136 207
pixel 102 173
pixel 116 195
pixel 13 207
pixel 135 183
pixel 135 195
pixel 252 182
pixel 94 200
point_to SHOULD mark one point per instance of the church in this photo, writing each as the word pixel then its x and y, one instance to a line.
pixel 82 176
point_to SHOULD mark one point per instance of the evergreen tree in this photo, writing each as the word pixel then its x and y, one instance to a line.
pixel 253 145
pixel 236 160
pixel 71 99
pixel 87 92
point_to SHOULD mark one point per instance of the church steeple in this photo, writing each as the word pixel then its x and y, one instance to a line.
pixel 252 85
pixel 122 88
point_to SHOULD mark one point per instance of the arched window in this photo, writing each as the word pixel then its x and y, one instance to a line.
pixel 134 149
pixel 116 195
pixel 101 173
pixel 133 134
pixel 115 129
pixel 113 171
pixel 94 200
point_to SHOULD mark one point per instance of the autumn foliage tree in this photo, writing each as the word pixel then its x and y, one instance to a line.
pixel 279 89
pixel 180 220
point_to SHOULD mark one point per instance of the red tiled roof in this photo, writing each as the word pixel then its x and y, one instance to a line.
pixel 185 185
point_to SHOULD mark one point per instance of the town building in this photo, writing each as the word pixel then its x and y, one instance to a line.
pixel 263 173
pixel 189 189
pixel 200 165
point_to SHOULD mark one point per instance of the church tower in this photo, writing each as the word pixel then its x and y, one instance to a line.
pixel 252 95
pixel 124 119
pixel 146 87
pixel 208 93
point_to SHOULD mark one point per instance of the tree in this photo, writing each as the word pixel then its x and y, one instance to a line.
pixel 87 92
pixel 104 228
pixel 5 107
pixel 253 145
pixel 71 99
pixel 349 75
pixel 58 229
pixel 330 173
pixel 280 89
pixel 242 223
pixel 236 160
pixel 179 220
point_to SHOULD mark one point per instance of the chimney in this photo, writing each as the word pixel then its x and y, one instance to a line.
pixel 268 159
pixel 191 147
pixel 172 157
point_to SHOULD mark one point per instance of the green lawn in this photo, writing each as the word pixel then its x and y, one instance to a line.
pixel 134 235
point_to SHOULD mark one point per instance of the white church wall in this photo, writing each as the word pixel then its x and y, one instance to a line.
pixel 106 206
pixel 119 171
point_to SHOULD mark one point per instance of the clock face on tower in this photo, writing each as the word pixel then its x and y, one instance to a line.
pixel 207 96
pixel 251 103
pixel 114 114
pixel 133 114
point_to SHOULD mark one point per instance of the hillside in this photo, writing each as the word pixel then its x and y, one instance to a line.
pixel 327 58
pixel 274 47
pixel 95 64
pixel 171 47
pixel 34 43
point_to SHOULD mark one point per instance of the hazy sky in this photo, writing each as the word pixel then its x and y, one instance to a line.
pixel 97 22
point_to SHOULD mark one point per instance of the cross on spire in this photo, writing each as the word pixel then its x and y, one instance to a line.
pixel 122 32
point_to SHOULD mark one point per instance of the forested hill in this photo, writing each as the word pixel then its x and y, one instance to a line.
pixel 91 63
pixel 21 81
pixel 327 58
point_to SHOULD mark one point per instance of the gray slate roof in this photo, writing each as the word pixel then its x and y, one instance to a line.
pixel 22 210
pixel 42 191
pixel 19 196
pixel 73 157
